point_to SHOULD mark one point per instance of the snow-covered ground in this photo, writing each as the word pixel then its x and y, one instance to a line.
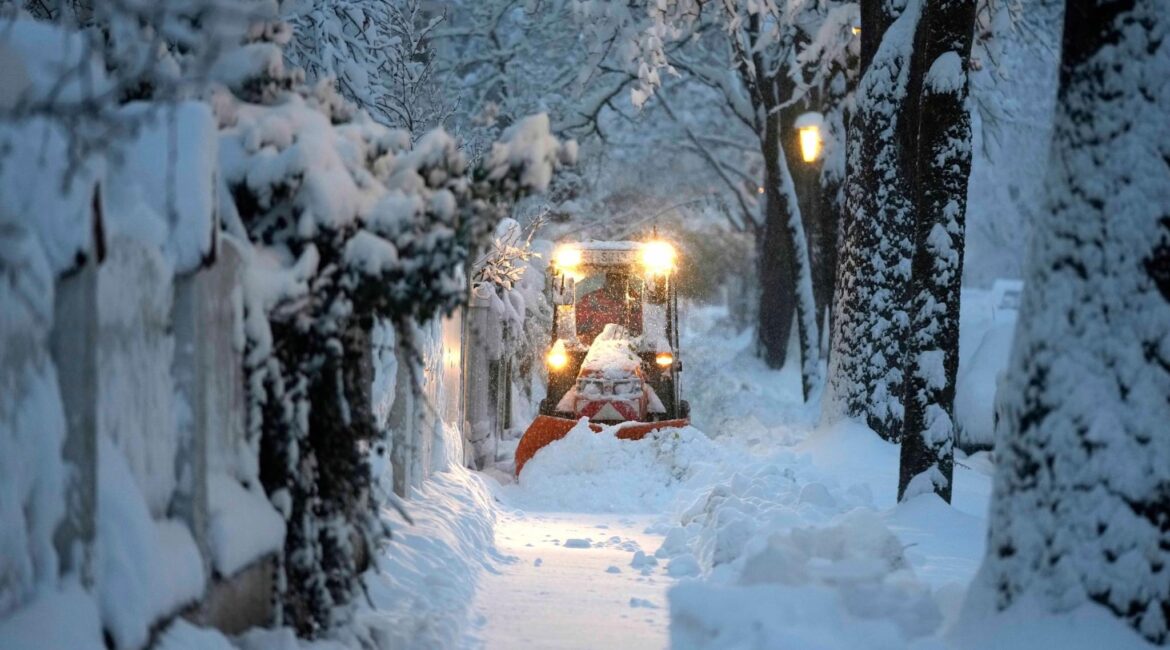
pixel 602 541
pixel 755 528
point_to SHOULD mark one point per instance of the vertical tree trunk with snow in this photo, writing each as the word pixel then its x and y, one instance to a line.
pixel 800 264
pixel 944 165
pixel 1081 503
pixel 866 378
pixel 777 280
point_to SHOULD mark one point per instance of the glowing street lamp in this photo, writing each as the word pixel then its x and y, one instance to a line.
pixel 808 126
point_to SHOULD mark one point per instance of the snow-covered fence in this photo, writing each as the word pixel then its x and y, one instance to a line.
pixel 73 345
pixel 424 428
pixel 483 352
pixel 209 382
pixel 125 417
pixel 134 348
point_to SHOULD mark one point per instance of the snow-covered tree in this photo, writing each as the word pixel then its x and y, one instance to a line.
pixel 943 159
pixel 153 53
pixel 869 316
pixel 754 55
pixel 378 53
pixel 1081 503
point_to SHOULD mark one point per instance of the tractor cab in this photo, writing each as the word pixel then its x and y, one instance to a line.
pixel 613 351
pixel 616 325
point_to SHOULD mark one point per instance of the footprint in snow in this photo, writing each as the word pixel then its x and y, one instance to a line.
pixel 642 602
pixel 538 562
pixel 613 569
pixel 577 543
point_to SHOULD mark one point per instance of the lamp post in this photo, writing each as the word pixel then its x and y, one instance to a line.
pixel 808 126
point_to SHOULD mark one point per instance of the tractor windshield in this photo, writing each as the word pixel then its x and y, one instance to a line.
pixel 606 296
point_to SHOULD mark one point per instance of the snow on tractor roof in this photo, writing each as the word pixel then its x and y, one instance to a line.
pixel 608 253
pixel 597 245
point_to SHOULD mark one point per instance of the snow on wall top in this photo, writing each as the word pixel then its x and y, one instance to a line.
pixel 42 63
pixel 39 188
pixel 43 194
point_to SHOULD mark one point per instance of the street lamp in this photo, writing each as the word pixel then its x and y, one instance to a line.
pixel 808 126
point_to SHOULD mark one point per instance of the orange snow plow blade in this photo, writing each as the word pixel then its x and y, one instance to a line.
pixel 546 428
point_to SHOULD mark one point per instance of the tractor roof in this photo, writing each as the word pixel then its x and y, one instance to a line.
pixel 609 253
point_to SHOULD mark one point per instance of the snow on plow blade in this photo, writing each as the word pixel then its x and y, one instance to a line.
pixel 546 428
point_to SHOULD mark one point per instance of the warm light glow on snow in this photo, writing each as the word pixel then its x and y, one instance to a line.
pixel 664 359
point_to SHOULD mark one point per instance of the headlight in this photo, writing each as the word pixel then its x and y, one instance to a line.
pixel 658 257
pixel 664 359
pixel 566 258
pixel 557 357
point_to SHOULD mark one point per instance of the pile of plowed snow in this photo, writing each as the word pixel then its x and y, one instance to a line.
pixel 598 472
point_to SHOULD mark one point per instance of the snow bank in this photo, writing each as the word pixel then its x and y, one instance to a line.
pixel 64 619
pixel 425 578
pixel 986 330
pixel 146 569
pixel 977 385
pixel 801 544
pixel 806 548
pixel 598 472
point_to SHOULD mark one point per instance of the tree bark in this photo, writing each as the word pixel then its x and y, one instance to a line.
pixel 870 319
pixel 802 272
pixel 777 280
pixel 944 165
pixel 1081 502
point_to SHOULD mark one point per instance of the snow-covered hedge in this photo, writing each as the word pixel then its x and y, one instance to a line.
pixel 339 222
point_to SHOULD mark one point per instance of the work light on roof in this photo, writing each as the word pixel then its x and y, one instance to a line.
pixel 658 257
pixel 566 258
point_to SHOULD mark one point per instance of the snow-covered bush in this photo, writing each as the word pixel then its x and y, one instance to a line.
pixel 349 222
pixel 514 269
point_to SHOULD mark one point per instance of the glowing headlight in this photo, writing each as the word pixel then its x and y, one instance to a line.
pixel 557 357
pixel 658 257
pixel 664 359
pixel 566 258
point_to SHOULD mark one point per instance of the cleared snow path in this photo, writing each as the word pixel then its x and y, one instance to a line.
pixel 756 528
pixel 568 583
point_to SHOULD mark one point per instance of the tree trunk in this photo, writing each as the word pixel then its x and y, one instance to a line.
pixel 867 350
pixel 802 273
pixel 944 165
pixel 833 172
pixel 1081 503
pixel 777 281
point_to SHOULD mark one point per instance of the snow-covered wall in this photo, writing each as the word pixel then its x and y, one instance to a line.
pixel 121 411
pixel 424 428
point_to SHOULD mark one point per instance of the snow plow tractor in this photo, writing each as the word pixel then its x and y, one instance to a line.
pixel 613 357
